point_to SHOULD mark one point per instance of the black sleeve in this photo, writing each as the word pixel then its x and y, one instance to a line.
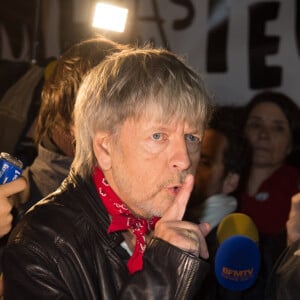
pixel 168 273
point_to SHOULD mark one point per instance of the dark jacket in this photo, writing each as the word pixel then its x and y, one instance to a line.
pixel 45 175
pixel 61 250
pixel 284 282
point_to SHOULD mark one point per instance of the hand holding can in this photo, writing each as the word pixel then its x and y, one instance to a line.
pixel 10 168
pixel 7 190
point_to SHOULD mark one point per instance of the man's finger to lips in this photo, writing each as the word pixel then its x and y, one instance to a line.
pixel 177 209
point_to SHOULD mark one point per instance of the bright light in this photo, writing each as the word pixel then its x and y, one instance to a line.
pixel 110 17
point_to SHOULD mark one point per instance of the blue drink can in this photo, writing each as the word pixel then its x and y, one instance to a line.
pixel 10 168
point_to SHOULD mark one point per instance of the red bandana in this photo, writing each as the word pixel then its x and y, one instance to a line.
pixel 122 219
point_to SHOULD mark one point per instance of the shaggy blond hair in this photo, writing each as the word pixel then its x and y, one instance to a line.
pixel 125 86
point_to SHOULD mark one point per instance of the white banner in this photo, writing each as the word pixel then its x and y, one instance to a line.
pixel 240 46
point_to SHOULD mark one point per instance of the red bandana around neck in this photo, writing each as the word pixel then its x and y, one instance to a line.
pixel 122 219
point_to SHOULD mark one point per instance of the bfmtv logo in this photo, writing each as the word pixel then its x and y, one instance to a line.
pixel 237 275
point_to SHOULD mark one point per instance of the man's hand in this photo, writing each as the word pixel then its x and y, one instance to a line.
pixel 7 190
pixel 185 235
pixel 293 223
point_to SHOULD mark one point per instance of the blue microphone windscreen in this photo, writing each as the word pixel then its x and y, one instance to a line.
pixel 237 263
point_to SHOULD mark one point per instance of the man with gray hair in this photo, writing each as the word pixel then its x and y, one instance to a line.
pixel 114 228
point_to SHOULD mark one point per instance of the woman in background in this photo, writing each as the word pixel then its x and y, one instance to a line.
pixel 271 125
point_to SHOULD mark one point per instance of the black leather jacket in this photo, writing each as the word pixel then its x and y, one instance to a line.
pixel 61 250
pixel 284 282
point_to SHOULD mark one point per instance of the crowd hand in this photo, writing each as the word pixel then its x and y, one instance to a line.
pixel 293 223
pixel 1 286
pixel 185 235
pixel 7 190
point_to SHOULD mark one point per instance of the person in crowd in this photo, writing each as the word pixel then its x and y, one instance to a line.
pixel 18 108
pixel 114 228
pixel 293 223
pixel 6 217
pixel 54 127
pixel 272 128
pixel 285 277
pixel 224 160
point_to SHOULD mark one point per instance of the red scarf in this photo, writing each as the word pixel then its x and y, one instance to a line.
pixel 123 219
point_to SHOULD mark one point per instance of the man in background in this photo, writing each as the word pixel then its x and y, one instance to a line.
pixel 225 156
pixel 224 159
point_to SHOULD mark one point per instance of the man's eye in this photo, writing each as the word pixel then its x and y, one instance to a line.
pixel 157 136
pixel 191 138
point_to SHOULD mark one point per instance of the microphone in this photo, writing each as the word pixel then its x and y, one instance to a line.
pixel 237 260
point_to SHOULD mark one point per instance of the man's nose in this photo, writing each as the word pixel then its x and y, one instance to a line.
pixel 180 158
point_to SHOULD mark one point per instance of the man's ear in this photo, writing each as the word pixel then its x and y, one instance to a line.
pixel 101 147
pixel 230 183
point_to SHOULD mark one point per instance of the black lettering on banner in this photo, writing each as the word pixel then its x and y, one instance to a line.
pixel 186 22
pixel 216 52
pixel 159 21
pixel 262 76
